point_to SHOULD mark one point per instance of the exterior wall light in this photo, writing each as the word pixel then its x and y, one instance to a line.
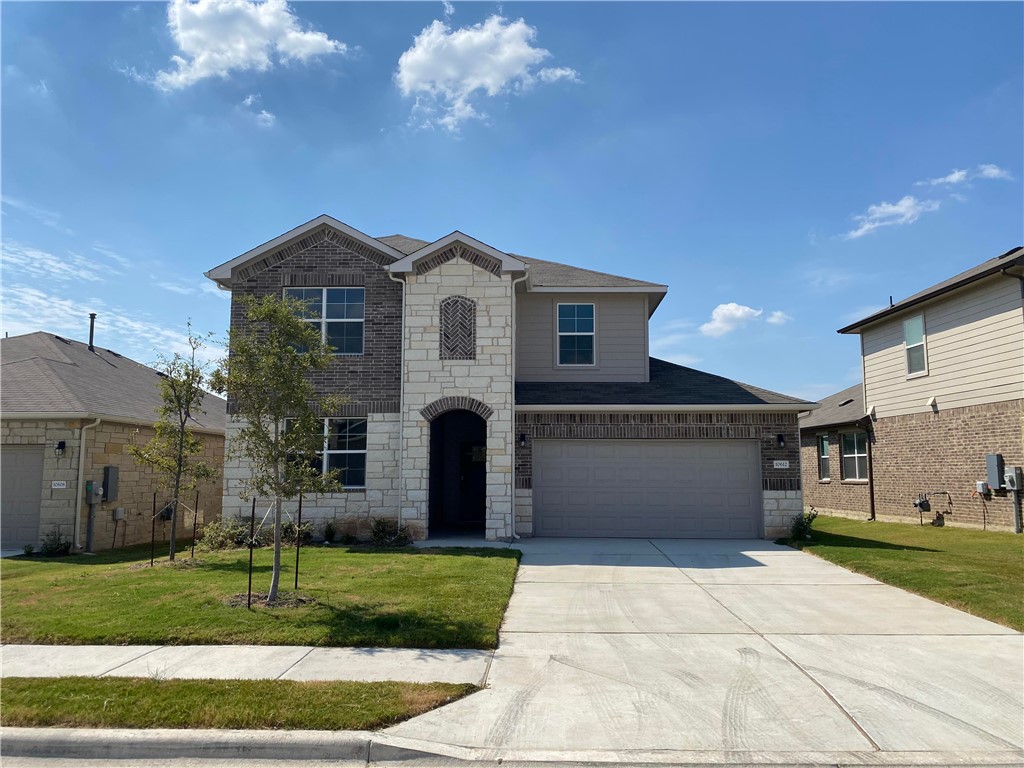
pixel 522 439
pixel 780 440
pixel 58 448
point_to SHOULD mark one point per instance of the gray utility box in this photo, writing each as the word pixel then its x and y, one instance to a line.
pixel 110 475
pixel 1012 479
pixel 994 465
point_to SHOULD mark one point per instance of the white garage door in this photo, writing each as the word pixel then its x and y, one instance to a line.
pixel 647 488
pixel 21 494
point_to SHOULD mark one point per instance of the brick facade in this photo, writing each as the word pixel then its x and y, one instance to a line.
pixel 107 445
pixel 945 451
pixel 780 487
pixel 835 496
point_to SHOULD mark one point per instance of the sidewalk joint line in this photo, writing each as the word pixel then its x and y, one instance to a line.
pixel 294 663
pixel 129 661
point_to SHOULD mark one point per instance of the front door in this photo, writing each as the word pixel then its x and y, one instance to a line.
pixel 458 473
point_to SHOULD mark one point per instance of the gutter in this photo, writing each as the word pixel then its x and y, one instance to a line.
pixel 512 360
pixel 76 536
pixel 44 416
pixel 669 408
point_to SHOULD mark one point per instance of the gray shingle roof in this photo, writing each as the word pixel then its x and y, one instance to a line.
pixel 42 373
pixel 844 407
pixel 1012 258
pixel 670 384
pixel 546 274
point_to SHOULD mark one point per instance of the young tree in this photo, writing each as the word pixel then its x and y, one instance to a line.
pixel 266 378
pixel 173 449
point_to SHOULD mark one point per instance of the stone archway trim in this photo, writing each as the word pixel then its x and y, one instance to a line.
pixel 445 404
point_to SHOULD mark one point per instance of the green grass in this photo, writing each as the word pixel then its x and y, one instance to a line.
pixel 979 572
pixel 407 598
pixel 87 702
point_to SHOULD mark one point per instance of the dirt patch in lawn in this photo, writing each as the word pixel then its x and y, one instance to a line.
pixel 284 600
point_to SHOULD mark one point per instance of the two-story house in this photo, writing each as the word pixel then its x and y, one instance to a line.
pixel 503 395
pixel 943 390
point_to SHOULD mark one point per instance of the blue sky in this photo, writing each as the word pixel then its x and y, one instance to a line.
pixel 785 168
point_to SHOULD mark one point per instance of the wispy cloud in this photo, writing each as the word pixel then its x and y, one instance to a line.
pixel 450 71
pixel 989 171
pixel 262 118
pixel 906 210
pixel 823 279
pixel 190 289
pixel 726 318
pixel 778 317
pixel 27 309
pixel 112 255
pixel 26 261
pixel 962 176
pixel 45 217
pixel 216 38
pixel 449 9
pixel 953 177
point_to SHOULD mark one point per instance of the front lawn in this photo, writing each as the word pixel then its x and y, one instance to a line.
pixel 980 572
pixel 408 598
pixel 88 702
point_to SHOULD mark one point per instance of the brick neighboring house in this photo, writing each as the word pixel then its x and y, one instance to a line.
pixel 943 388
pixel 67 410
pixel 508 396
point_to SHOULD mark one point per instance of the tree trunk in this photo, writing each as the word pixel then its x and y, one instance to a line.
pixel 177 489
pixel 276 577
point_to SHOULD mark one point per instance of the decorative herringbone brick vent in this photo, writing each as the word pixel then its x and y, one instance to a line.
pixel 458 328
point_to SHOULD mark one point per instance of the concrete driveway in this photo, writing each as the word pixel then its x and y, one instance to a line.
pixel 712 651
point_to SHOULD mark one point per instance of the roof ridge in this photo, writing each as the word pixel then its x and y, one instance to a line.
pixel 529 259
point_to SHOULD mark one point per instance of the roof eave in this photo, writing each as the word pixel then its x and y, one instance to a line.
pixel 408 262
pixel 687 408
pixel 89 416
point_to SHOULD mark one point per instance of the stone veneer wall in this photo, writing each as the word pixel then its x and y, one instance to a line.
pixel 351 511
pixel 106 445
pixel 487 379
pixel 924 452
pixel 835 496
pixel 781 494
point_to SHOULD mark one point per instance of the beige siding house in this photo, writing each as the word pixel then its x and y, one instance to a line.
pixel 943 391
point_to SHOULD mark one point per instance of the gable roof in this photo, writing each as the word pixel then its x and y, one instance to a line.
pixel 670 386
pixel 846 407
pixel 1012 258
pixel 222 274
pixel 508 262
pixel 46 375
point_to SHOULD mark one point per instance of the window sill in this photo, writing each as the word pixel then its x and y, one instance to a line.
pixel 855 482
pixel 824 481
pixel 920 375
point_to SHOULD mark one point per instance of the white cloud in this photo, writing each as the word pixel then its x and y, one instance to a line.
pixel 26 261
pixel 218 37
pixel 263 118
pixel 989 171
pixel 726 318
pixel 250 100
pixel 112 255
pixel 955 176
pixel 778 317
pixel 40 89
pixel 48 218
pixel 905 211
pixel 448 70
pixel 189 289
pixel 27 309
pixel 449 9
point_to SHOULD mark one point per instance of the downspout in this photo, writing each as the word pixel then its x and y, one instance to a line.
pixel 512 360
pixel 80 490
pixel 401 408
pixel 871 469
pixel 1017 514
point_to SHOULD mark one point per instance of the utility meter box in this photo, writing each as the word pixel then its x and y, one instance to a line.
pixel 1012 479
pixel 994 465
pixel 982 487
pixel 119 514
pixel 93 492
pixel 110 476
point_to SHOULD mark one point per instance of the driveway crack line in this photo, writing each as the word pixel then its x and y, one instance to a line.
pixel 849 716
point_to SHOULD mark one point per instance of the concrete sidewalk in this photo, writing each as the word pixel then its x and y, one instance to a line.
pixel 246 662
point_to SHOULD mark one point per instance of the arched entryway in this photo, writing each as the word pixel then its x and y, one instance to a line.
pixel 458 473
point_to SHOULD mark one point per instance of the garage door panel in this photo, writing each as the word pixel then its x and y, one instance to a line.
pixel 21 494
pixel 646 488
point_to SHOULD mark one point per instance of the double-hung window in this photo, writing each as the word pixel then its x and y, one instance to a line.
pixel 855 455
pixel 915 346
pixel 575 334
pixel 823 469
pixel 338 312
pixel 343 449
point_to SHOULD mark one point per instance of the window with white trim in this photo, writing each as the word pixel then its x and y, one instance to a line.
pixel 339 313
pixel 344 449
pixel 855 455
pixel 915 346
pixel 575 334
pixel 823 468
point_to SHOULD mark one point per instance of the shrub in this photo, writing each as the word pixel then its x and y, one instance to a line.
pixel 230 534
pixel 28 549
pixel 802 525
pixel 55 543
pixel 290 532
pixel 348 539
pixel 389 533
pixel 329 531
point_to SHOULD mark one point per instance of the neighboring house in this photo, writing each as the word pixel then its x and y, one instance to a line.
pixel 943 389
pixel 835 455
pixel 69 410
pixel 508 396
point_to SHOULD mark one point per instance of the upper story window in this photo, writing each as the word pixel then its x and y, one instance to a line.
pixel 915 346
pixel 855 455
pixel 338 311
pixel 575 334
pixel 823 469
pixel 458 328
